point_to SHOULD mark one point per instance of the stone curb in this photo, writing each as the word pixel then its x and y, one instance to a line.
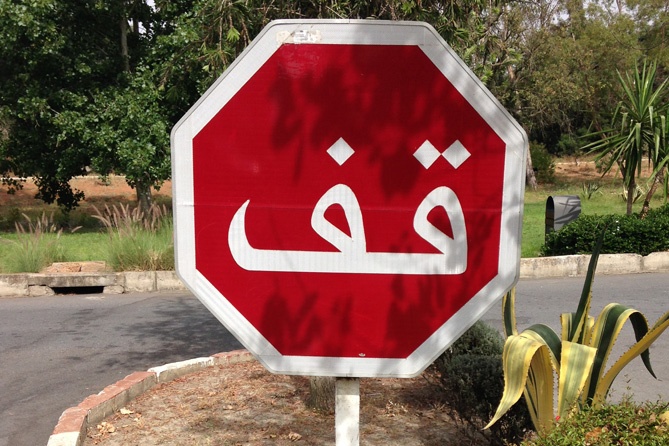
pixel 577 265
pixel 33 284
pixel 75 421
pixel 18 285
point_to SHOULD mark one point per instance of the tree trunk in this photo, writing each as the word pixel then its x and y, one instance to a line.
pixel 659 178
pixel 530 178
pixel 322 393
pixel 144 198
pixel 125 55
pixel 631 190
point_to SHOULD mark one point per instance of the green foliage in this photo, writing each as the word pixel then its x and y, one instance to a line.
pixel 125 131
pixel 471 379
pixel 138 242
pixel 543 163
pixel 626 234
pixel 37 245
pixel 53 54
pixel 566 78
pixel 589 189
pixel 579 357
pixel 624 424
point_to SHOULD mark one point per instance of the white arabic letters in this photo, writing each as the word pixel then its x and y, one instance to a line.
pixel 344 196
pixel 352 255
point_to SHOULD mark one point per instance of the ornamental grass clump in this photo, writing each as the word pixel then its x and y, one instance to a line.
pixel 138 241
pixel 578 358
pixel 37 245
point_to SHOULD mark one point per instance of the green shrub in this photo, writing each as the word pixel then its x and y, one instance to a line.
pixel 138 242
pixel 9 218
pixel 626 234
pixel 543 163
pixel 472 380
pixel 623 424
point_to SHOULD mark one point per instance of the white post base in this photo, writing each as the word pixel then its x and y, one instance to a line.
pixel 347 412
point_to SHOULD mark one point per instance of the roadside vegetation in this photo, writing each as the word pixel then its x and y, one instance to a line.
pixel 104 231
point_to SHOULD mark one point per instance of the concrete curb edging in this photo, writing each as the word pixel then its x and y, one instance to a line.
pixel 18 285
pixel 577 265
pixel 75 421
pixel 34 284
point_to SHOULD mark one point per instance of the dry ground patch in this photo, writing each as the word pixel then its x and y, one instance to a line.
pixel 243 404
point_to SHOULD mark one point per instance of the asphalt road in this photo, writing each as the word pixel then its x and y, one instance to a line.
pixel 55 351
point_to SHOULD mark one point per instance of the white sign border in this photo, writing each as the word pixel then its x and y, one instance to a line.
pixel 356 32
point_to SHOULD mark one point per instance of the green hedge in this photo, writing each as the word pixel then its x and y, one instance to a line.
pixel 625 234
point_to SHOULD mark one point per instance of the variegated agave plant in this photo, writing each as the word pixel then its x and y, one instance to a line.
pixel 579 357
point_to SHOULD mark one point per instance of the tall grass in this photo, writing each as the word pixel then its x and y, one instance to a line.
pixel 35 246
pixel 138 241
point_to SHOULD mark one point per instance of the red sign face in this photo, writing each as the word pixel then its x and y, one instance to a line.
pixel 348 201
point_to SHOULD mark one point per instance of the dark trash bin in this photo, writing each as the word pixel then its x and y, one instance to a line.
pixel 560 210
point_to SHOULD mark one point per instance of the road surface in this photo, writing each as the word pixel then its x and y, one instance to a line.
pixel 55 351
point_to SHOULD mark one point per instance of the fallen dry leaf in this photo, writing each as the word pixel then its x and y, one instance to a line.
pixel 294 436
pixel 125 411
pixel 665 417
pixel 106 428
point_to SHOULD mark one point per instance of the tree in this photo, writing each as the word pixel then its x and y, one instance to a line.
pixel 53 52
pixel 58 55
pixel 565 80
pixel 125 131
pixel 638 128
pixel 64 88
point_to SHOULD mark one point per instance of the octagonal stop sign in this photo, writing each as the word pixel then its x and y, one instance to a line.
pixel 348 198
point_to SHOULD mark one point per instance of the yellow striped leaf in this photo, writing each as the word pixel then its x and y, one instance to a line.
pixel 517 358
pixel 605 333
pixel 575 367
pixel 637 349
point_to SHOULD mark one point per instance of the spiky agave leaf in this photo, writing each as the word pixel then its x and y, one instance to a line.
pixel 509 313
pixel 526 361
pixel 577 326
pixel 575 368
pixel 605 333
pixel 636 350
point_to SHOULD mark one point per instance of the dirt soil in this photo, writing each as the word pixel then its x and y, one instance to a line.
pixel 243 404
pixel 112 190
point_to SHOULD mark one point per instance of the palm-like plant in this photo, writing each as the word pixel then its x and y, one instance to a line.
pixel 638 128
pixel 578 357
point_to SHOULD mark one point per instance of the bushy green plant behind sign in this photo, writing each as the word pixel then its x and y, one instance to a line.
pixel 626 234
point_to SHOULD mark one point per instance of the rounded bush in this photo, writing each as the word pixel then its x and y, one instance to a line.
pixel 624 234
pixel 472 382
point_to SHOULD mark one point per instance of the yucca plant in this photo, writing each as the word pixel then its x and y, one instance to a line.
pixel 638 128
pixel 578 357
